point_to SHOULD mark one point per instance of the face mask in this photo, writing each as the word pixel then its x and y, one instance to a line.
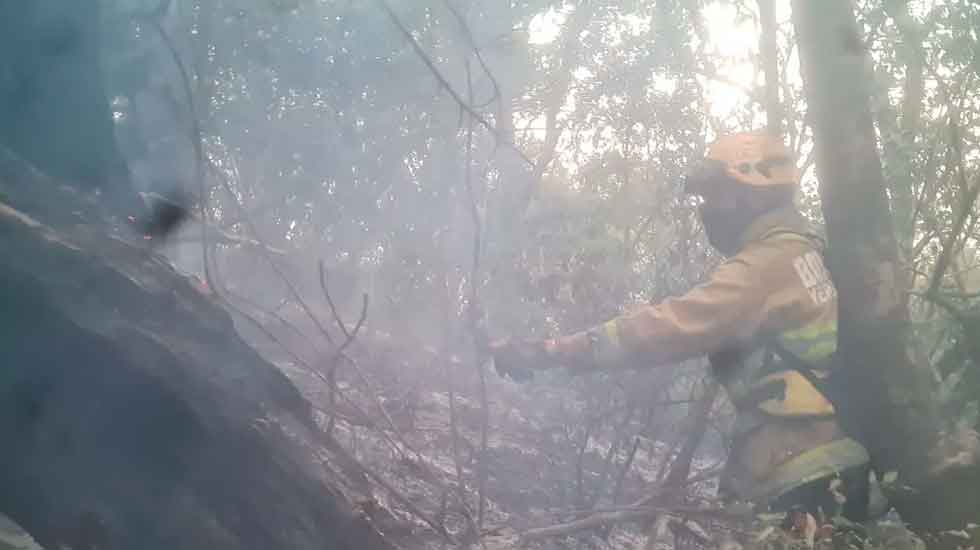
pixel 724 228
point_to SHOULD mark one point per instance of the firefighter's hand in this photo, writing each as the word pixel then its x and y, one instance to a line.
pixel 518 359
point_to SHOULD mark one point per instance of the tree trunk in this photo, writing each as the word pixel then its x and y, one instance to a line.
pixel 53 107
pixel 897 399
pixel 769 53
pixel 132 415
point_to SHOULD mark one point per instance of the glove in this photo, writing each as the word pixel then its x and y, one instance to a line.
pixel 517 359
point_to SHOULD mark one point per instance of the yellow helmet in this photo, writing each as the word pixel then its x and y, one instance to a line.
pixel 758 159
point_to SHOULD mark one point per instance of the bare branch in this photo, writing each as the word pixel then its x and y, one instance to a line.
pixel 275 267
pixel 474 312
pixel 625 470
pixel 352 335
pixel 444 83
pixel 617 441
pixel 964 208
pixel 699 416
pixel 599 519
pixel 468 35
pixel 222 236
pixel 663 489
pixel 405 501
pixel 289 325
pixel 329 299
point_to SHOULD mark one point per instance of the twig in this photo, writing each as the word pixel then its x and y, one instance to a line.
pixel 599 519
pixel 454 434
pixel 620 480
pixel 273 314
pixel 471 42
pixel 395 493
pixel 268 333
pixel 196 136
pixel 614 446
pixel 348 340
pixel 580 464
pixel 682 531
pixel 680 470
pixel 970 193
pixel 218 234
pixel 307 367
pixel 942 301
pixel 624 471
pixel 664 489
pixel 332 390
pixel 328 379
pixel 340 353
pixel 474 311
pixel 381 407
pixel 605 518
pixel 275 268
pixel 472 524
pixel 395 446
pixel 444 83
pixel 451 390
pixel 352 335
pixel 326 294
pixel 400 448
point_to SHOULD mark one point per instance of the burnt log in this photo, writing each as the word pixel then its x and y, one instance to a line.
pixel 132 414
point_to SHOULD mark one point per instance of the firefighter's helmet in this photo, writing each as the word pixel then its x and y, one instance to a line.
pixel 756 159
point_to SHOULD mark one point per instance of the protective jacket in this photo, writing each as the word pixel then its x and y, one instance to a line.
pixel 773 294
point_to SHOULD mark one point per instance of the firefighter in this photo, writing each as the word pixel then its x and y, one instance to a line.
pixel 769 307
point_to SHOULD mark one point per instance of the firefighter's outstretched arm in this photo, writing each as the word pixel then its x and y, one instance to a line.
pixel 725 310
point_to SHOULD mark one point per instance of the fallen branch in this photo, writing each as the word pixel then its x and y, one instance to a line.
pixel 219 235
pixel 631 514
pixel 664 490
pixel 600 519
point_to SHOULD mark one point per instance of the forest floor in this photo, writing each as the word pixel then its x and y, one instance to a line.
pixel 395 418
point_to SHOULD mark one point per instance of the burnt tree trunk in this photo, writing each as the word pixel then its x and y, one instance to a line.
pixel 132 415
pixel 897 398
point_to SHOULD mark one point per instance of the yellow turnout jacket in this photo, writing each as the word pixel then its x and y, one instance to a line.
pixel 775 293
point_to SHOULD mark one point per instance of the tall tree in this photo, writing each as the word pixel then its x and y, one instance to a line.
pixel 769 55
pixel 897 399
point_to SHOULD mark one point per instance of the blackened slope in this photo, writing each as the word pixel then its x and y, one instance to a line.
pixel 131 413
